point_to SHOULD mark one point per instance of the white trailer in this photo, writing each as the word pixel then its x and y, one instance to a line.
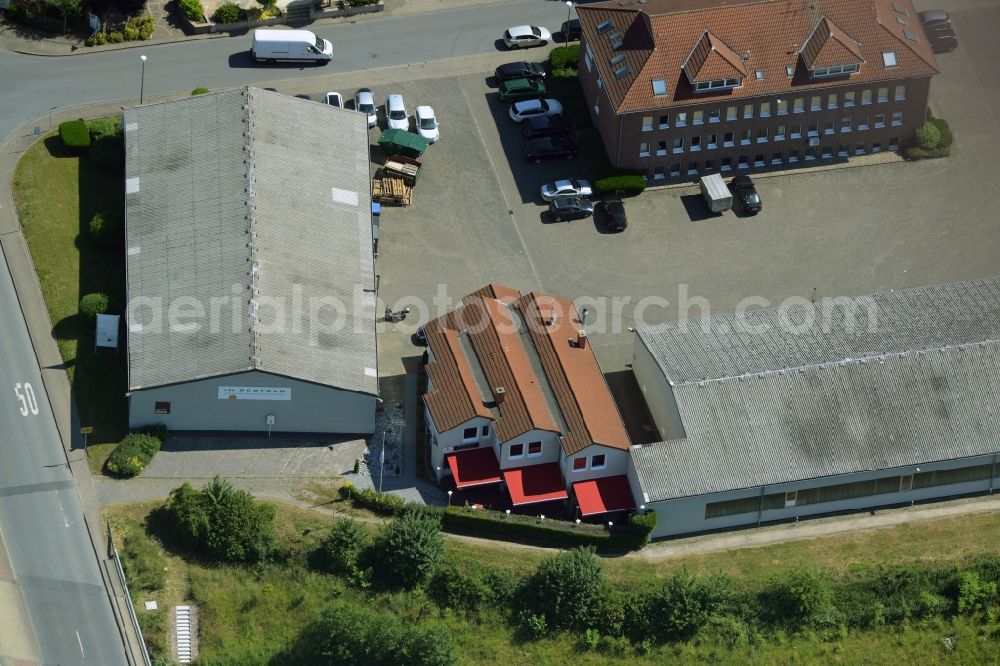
pixel 716 194
pixel 275 45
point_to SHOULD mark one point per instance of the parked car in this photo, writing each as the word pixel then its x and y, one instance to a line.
pixel 550 147
pixel 614 214
pixel 533 108
pixel 571 30
pixel 570 208
pixel 568 187
pixel 934 17
pixel 334 99
pixel 745 194
pixel 364 101
pixel 516 89
pixel 519 36
pixel 944 43
pixel 556 125
pixel 520 70
pixel 426 122
pixel 395 113
pixel 419 337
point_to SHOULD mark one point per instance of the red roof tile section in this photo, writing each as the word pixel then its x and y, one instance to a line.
pixel 711 60
pixel 495 326
pixel 767 35
pixel 828 46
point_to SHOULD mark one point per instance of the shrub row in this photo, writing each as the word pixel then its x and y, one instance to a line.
pixel 75 136
pixel 564 58
pixel 135 29
pixel 624 184
pixel 133 453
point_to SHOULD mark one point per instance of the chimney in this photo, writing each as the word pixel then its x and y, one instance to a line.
pixel 581 339
pixel 498 394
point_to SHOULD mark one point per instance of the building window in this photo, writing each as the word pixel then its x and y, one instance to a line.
pixel 716 84
pixel 883 94
pixel 816 103
pixel 789 71
pixel 727 139
pixel 813 129
pixel 879 120
pixel 710 165
pixel 894 143
pixel 664 122
pixel 761 135
pixel 897 118
pixel 698 118
pixel 727 164
pixel 713 141
pixel 730 113
pixel 597 106
pixel 863 123
pixel 834 70
pixel 843 150
pixel 692 168
pixel 796 131
pixel 661 149
pixel 588 59
pixel 534 449
pixel 827 152
pixel 845 124
pixel 579 464
pixel 164 408
pixel 659 86
pixel 696 143
pixel 598 461
pixel 682 119
pixel 600 82
pixel 849 98
pixel 748 110
pixel 776 159
pixel 859 148
pixel 647 123
pixel 644 149
pixel 810 154
pixel 485 431
pixel 516 451
pixel 675 170
pixel 866 96
pixel 831 102
pixel 889 58
pixel 799 105
pixel 793 156
pixel 828 127
pixel 765 109
pixel 791 499
pixel 679 144
pixel 744 137
pixel 469 434
pixel 782 107
pixel 743 162
pixel 779 133
pixel 714 116
pixel 876 146
pixel 758 160
pixel 659 173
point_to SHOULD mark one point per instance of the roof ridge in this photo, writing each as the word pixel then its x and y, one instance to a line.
pixel 251 229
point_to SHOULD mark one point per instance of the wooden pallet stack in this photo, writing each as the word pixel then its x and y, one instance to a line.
pixel 391 191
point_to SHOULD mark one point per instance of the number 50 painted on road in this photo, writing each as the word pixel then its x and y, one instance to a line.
pixel 26 396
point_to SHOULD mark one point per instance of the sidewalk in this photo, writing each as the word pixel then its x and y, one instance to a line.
pixel 23 39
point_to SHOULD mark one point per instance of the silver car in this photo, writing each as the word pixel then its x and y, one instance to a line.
pixel 534 108
pixel 364 101
pixel 566 188
pixel 519 36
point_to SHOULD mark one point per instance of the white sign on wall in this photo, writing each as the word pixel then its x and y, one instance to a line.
pixel 255 393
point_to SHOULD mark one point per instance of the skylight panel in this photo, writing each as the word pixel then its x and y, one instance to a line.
pixel 889 58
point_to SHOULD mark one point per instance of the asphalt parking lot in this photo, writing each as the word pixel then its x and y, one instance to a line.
pixel 477 217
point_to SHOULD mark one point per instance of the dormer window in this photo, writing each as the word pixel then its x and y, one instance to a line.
pixel 830 51
pixel 717 84
pixel 834 70
pixel 712 65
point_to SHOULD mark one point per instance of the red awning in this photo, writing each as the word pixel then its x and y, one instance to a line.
pixel 535 483
pixel 475 467
pixel 611 493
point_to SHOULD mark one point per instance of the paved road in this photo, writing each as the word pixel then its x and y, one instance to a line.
pixel 42 83
pixel 41 515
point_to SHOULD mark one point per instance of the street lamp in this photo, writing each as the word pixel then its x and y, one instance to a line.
pixel 569 9
pixel 449 498
pixel 142 77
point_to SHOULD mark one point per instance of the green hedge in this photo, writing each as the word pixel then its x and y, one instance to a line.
pixel 564 57
pixel 132 454
pixel 75 135
pixel 192 9
pixel 626 184
pixel 107 147
pixel 497 524
pixel 200 90
pixel 229 12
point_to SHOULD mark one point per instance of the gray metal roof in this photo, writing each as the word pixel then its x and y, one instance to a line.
pixel 924 387
pixel 254 206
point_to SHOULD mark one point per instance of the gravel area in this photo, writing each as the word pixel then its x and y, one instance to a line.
pixel 389 424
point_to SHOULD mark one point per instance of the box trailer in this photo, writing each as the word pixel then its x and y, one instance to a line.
pixel 274 45
pixel 716 194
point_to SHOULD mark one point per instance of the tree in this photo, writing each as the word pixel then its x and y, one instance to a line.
pixel 685 604
pixel 241 529
pixel 928 136
pixel 802 597
pixel 68 9
pixel 344 545
pixel 567 588
pixel 190 517
pixel 409 549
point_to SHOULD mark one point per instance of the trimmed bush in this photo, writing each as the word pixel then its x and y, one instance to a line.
pixel 115 37
pixel 92 305
pixel 104 127
pixel 342 548
pixel 200 90
pixel 96 39
pixel 518 527
pixel 642 526
pixel 139 27
pixel 928 135
pixel 192 9
pixel 945 131
pixel 74 135
pixel 564 57
pixel 409 548
pixel 566 589
pixel 228 12
pixel 132 455
pixel 625 184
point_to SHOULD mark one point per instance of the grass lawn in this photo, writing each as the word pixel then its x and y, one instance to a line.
pixel 56 195
pixel 249 615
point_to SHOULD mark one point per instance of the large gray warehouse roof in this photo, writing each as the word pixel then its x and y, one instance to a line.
pixel 254 207
pixel 923 385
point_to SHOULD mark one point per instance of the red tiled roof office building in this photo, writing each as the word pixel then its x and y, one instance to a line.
pixel 515 397
pixel 681 88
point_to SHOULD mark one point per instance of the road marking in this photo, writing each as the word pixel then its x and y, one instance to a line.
pixel 80 643
pixel 29 488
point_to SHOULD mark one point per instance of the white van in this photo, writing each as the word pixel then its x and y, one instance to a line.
pixel 275 45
